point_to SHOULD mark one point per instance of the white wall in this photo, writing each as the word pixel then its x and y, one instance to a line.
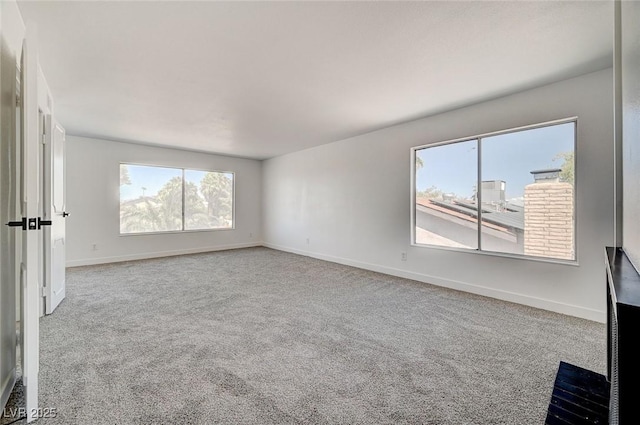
pixel 351 199
pixel 92 187
pixel 13 27
pixel 630 14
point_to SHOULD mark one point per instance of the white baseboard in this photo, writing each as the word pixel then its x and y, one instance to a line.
pixel 541 303
pixel 545 304
pixel 158 254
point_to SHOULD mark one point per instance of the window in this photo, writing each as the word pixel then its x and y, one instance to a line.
pixel 525 204
pixel 159 199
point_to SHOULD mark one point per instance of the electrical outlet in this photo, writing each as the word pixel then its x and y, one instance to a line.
pixel 403 256
pixel 307 241
pixel 94 247
pixel 250 235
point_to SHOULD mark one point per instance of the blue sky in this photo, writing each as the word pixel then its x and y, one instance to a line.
pixel 509 157
pixel 153 178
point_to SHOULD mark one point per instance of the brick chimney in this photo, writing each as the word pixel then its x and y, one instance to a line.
pixel 548 216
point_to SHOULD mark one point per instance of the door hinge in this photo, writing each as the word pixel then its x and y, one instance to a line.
pixel 43 291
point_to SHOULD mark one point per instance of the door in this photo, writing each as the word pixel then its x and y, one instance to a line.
pixel 54 210
pixel 29 190
pixel 25 224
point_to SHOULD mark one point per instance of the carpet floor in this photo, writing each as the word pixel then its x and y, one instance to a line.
pixel 258 336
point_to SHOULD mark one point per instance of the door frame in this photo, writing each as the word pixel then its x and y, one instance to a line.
pixel 8 281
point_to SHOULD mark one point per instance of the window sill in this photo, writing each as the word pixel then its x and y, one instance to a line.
pixel 173 232
pixel 500 254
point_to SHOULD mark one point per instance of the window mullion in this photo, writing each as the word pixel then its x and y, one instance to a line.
pixel 479 193
pixel 183 199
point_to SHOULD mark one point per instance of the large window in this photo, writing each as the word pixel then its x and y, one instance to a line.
pixel 159 199
pixel 510 192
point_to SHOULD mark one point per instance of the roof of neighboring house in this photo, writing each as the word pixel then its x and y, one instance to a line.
pixel 513 217
pixel 509 218
pixel 138 200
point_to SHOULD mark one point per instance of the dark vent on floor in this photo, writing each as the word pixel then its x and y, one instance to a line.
pixel 580 397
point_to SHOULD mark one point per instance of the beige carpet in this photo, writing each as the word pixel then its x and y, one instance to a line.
pixel 258 336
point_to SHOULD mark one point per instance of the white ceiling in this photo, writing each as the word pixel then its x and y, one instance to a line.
pixel 260 79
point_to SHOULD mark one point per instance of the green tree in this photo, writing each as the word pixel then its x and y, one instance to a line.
pixel 163 211
pixel 217 189
pixel 195 212
pixel 140 215
pixel 170 204
pixel 157 213
pixel 210 205
pixel 567 169
pixel 419 162
pixel 431 193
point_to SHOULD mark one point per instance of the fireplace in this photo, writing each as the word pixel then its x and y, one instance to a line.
pixel 623 332
pixel 581 396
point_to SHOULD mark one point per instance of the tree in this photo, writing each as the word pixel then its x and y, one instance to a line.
pixel 419 162
pixel 430 193
pixel 124 175
pixel 195 212
pixel 140 215
pixel 217 189
pixel 567 173
pixel 210 205
pixel 163 211
pixel 170 204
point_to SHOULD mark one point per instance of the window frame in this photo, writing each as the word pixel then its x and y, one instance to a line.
pixel 183 230
pixel 479 137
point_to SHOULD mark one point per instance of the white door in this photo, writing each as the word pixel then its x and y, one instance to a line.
pixel 54 210
pixel 25 222
pixel 30 195
pixel 7 235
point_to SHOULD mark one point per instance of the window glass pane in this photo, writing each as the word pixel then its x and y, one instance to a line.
pixel 150 199
pixel 208 200
pixel 527 192
pixel 446 178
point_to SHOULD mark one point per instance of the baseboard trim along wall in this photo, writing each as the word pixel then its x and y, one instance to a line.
pixel 158 254
pixel 545 304
pixel 568 309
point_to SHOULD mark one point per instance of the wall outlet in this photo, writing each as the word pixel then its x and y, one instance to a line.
pixel 250 235
pixel 94 247
pixel 307 241
pixel 403 256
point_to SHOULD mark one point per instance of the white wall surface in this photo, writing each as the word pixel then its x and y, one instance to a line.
pixel 630 14
pixel 12 26
pixel 351 199
pixel 93 188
